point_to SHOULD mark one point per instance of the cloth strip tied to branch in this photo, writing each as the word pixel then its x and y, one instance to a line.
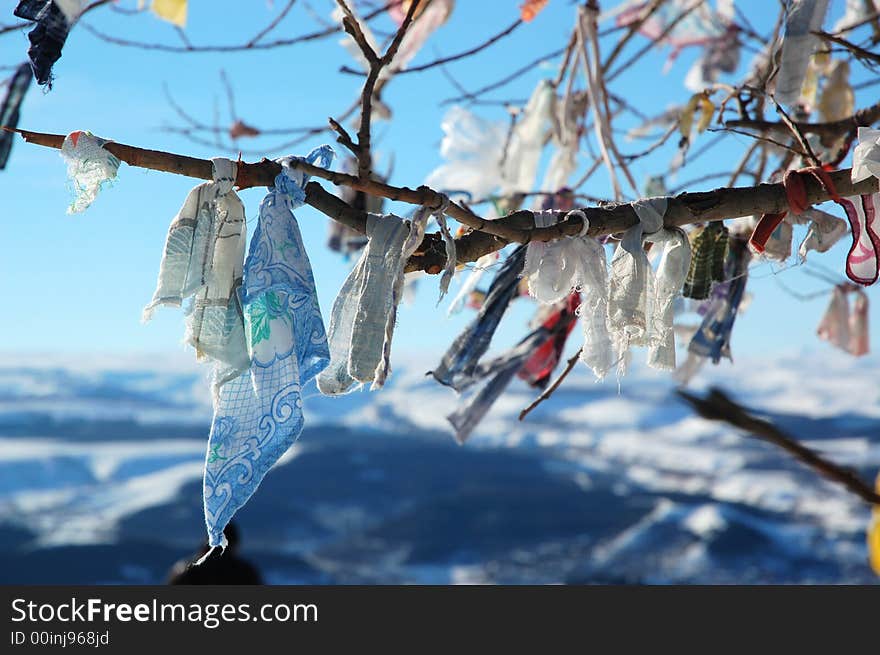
pixel 204 259
pixel 258 415
pixel 365 311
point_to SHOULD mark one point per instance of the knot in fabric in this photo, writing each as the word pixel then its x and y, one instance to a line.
pixel 89 167
pixel 291 182
pixel 224 172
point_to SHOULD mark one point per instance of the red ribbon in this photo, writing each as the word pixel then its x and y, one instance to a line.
pixel 796 194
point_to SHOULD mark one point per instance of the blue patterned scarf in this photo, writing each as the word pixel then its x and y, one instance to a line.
pixel 258 415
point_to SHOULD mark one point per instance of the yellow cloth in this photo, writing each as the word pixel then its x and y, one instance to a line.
pixel 174 11
pixel 874 536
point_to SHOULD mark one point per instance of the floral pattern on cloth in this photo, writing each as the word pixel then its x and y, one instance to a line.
pixel 90 167
pixel 204 260
pixel 597 351
pixel 365 310
pixel 258 415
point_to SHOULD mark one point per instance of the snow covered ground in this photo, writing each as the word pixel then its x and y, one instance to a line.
pixel 101 459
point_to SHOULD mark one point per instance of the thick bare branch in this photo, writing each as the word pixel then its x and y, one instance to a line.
pixel 682 209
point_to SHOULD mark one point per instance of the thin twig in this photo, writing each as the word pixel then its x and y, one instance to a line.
pixel 798 134
pixel 858 52
pixel 553 387
pixel 507 79
pixel 248 45
pixel 352 26
pixel 272 25
pixel 442 61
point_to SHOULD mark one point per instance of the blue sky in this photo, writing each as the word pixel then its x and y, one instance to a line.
pixel 77 284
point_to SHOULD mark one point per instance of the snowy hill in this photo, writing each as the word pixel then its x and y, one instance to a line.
pixel 101 460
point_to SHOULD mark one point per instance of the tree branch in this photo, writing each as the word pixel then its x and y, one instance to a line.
pixel 352 26
pixel 570 364
pixel 828 131
pixel 252 44
pixel 717 406
pixel 489 236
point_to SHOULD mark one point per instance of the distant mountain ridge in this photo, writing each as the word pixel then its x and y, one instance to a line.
pixel 596 485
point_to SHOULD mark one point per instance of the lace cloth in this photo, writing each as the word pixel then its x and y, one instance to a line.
pixel 554 268
pixel 664 287
pixel 597 351
pixel 90 167
pixel 628 287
